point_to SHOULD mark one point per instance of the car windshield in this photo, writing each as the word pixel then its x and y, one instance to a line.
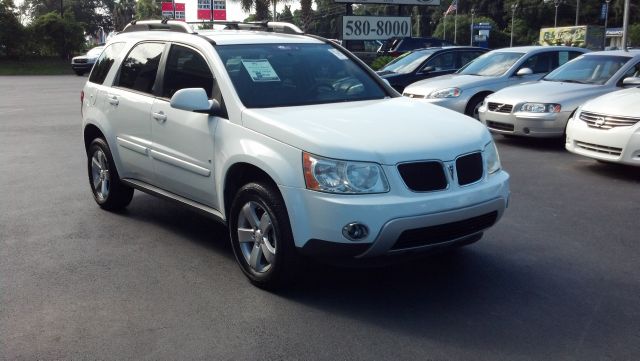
pixel 95 52
pixel 275 75
pixel 588 69
pixel 491 64
pixel 407 63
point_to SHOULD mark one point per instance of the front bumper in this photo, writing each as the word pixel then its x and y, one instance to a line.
pixel 618 145
pixel 458 104
pixel 318 218
pixel 539 125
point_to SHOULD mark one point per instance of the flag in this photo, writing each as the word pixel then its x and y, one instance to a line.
pixel 453 7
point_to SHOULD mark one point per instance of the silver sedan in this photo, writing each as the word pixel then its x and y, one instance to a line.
pixel 465 90
pixel 542 109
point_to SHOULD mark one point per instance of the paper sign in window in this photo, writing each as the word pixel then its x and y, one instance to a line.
pixel 260 70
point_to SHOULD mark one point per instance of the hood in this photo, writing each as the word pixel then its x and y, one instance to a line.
pixel 569 95
pixel 625 103
pixel 425 87
pixel 385 131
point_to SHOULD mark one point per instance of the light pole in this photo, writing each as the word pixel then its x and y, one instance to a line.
pixel 577 10
pixel 513 16
pixel 473 12
pixel 625 25
pixel 556 3
pixel 606 20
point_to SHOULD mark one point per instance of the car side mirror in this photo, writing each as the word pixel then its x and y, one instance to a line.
pixel 427 69
pixel 631 81
pixel 194 100
pixel 524 71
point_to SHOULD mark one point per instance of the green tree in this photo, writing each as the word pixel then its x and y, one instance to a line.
pixel 122 13
pixel 12 33
pixel 286 15
pixel 634 35
pixel 147 9
pixel 59 35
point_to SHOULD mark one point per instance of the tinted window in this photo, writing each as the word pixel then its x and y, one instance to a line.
pixel 588 69
pixel 186 69
pixel 104 63
pixel 408 62
pixel 632 72
pixel 139 69
pixel 272 75
pixel 540 63
pixel 467 56
pixel 491 64
pixel 442 62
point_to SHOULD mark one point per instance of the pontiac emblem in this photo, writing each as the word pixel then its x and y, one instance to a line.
pixel 599 122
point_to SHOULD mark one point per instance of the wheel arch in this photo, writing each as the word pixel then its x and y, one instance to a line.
pixel 239 174
pixel 91 132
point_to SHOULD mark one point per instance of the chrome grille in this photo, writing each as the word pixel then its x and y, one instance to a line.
pixel 601 121
pixel 599 148
pixel 409 95
pixel 80 61
pixel 500 108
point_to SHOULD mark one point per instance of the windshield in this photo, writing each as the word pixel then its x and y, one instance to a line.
pixel 408 62
pixel 592 69
pixel 491 64
pixel 275 75
pixel 95 52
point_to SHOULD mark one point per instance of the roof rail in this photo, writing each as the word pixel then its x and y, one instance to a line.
pixel 159 25
pixel 273 26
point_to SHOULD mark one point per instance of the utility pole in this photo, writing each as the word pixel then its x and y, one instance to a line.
pixel 455 25
pixel 606 20
pixel 173 4
pixel 513 16
pixel 577 11
pixel 473 12
pixel 625 25
pixel 444 28
pixel 61 9
pixel 556 3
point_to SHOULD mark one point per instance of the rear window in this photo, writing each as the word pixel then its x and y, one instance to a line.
pixel 105 62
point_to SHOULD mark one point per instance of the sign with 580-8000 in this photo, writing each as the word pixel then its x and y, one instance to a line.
pixel 375 27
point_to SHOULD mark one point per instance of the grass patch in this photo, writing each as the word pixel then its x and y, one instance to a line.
pixel 35 66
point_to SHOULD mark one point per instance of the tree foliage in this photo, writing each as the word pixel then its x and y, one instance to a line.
pixel 59 35
pixel 12 33
pixel 147 9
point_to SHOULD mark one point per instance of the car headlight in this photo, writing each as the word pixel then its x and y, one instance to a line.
pixel 540 108
pixel 342 176
pixel 445 93
pixel 491 158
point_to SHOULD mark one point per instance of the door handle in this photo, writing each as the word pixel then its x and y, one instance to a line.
pixel 113 100
pixel 160 117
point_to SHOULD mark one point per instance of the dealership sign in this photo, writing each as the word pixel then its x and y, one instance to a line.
pixel 167 10
pixel 392 2
pixel 375 27
pixel 205 9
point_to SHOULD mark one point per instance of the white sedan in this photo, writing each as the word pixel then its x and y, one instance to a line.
pixel 607 128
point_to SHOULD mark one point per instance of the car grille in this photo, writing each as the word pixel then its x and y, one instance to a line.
pixel 500 126
pixel 444 232
pixel 600 148
pixel 500 108
pixel 469 168
pixel 80 61
pixel 423 176
pixel 602 121
pixel 409 95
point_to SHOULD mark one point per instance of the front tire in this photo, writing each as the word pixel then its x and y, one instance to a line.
pixel 261 236
pixel 108 191
pixel 474 104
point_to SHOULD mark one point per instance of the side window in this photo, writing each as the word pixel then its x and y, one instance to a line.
pixel 540 63
pixel 446 61
pixel 467 56
pixel 104 63
pixel 186 68
pixel 563 57
pixel 139 69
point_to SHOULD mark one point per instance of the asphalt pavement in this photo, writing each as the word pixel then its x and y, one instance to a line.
pixel 557 279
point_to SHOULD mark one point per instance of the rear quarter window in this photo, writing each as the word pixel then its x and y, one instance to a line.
pixel 105 62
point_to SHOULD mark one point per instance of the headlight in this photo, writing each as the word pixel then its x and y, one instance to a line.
pixel 445 93
pixel 540 108
pixel 341 176
pixel 491 158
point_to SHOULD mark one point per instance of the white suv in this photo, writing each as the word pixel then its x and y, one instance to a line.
pixel 288 139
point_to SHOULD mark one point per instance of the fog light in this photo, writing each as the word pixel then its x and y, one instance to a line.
pixel 355 231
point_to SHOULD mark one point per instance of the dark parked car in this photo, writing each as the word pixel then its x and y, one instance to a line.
pixel 398 46
pixel 427 63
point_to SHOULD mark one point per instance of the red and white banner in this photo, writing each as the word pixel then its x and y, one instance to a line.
pixel 167 10
pixel 180 12
pixel 204 9
pixel 220 9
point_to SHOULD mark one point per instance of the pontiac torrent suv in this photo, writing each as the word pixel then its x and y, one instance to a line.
pixel 288 139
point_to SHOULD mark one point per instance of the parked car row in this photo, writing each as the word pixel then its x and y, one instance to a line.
pixel 538 92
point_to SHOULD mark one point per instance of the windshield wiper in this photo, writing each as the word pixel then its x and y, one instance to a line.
pixel 568 81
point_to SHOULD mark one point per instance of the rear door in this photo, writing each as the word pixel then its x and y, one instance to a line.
pixel 182 150
pixel 129 104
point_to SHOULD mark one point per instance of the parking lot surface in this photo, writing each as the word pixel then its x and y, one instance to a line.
pixel 558 278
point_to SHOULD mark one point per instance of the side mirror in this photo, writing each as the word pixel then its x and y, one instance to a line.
pixel 427 69
pixel 631 81
pixel 524 71
pixel 194 100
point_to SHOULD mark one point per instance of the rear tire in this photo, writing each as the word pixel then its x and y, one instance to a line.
pixel 261 236
pixel 108 191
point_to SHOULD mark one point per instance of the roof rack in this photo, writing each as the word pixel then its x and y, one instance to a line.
pixel 271 26
pixel 159 25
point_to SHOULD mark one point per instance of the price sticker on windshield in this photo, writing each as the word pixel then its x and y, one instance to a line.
pixel 260 70
pixel 375 27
